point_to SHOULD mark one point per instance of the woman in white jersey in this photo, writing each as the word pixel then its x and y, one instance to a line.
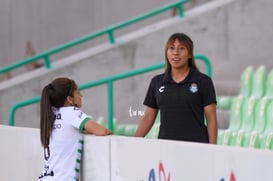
pixel 61 126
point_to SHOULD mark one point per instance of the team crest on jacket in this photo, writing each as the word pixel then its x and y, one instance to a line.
pixel 193 88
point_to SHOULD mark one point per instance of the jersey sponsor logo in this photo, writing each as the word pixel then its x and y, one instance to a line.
pixel 194 88
pixel 161 89
pixel 58 116
pixel 46 172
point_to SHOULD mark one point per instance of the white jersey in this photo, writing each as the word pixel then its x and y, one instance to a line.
pixel 66 145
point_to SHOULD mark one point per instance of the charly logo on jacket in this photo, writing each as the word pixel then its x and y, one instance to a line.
pixel 161 89
pixel 194 88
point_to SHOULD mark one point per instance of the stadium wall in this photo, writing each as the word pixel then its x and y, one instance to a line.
pixel 116 158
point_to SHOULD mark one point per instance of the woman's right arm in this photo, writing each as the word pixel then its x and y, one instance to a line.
pixel 92 127
pixel 146 122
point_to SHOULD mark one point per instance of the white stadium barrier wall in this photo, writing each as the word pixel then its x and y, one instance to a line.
pixel 21 156
pixel 140 159
pixel 117 158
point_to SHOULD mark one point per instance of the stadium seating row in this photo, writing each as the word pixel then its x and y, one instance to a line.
pixel 256 83
pixel 251 112
pixel 251 123
pixel 129 129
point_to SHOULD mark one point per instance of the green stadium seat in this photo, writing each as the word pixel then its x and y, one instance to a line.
pixel 246 81
pixel 261 113
pixel 248 114
pixel 269 118
pixel 236 113
pixel 101 121
pixel 126 129
pixel 130 130
pixel 266 141
pixel 120 129
pixel 154 131
pixel 236 138
pixel 258 82
pixel 225 137
pixel 235 121
pixel 263 139
pixel 251 139
pixel 269 85
pixel 224 102
pixel 220 138
pixel 248 110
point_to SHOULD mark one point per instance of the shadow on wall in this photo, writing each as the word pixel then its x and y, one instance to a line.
pixel 29 52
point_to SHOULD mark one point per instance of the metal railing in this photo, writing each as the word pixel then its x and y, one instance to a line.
pixel 109 81
pixel 107 31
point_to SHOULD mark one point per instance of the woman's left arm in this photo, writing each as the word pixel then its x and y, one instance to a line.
pixel 210 113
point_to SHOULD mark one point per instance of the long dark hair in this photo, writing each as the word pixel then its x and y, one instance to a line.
pixel 53 95
pixel 183 39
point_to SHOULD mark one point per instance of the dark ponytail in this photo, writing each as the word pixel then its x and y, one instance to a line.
pixel 53 95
